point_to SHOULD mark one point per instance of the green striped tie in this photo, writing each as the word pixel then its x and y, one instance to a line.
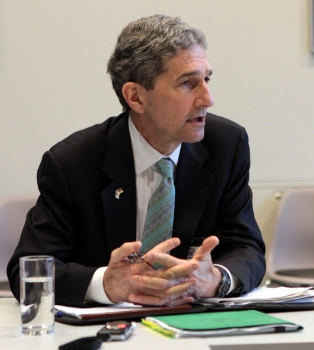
pixel 160 212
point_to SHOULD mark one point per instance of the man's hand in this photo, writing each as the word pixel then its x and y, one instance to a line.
pixel 199 269
pixel 139 283
pixel 207 275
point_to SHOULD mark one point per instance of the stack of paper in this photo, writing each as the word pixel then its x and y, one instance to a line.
pixel 265 295
pixel 102 314
pixel 81 312
pixel 261 298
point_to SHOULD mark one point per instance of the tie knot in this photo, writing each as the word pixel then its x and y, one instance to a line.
pixel 165 165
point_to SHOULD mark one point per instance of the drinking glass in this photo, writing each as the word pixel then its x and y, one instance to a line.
pixel 37 294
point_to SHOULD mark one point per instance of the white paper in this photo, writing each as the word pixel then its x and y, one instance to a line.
pixel 263 294
pixel 77 312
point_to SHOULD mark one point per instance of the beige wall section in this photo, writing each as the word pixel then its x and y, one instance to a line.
pixel 53 80
pixel 266 203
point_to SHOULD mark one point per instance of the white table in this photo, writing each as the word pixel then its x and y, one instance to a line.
pixel 143 338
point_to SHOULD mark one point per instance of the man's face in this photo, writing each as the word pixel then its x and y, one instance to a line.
pixel 175 109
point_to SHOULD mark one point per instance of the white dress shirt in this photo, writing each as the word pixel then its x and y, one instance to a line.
pixel 148 177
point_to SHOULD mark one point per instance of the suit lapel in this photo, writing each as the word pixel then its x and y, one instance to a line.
pixel 193 186
pixel 120 213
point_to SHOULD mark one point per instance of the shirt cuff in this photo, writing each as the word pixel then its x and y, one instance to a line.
pixel 95 291
pixel 235 283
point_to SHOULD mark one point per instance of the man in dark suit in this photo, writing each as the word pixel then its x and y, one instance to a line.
pixel 95 186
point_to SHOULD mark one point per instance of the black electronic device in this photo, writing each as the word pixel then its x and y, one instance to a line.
pixel 87 343
pixel 116 330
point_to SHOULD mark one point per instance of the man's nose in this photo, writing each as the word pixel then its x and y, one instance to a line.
pixel 205 98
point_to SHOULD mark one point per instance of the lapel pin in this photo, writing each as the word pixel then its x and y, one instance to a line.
pixel 118 192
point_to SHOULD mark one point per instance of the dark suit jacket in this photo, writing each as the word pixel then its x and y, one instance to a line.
pixel 78 220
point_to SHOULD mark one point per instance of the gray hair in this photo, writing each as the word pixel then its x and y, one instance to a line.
pixel 142 48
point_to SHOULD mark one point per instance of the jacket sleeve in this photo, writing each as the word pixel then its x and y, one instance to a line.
pixel 241 247
pixel 50 229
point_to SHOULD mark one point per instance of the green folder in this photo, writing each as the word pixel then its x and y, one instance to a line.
pixel 218 324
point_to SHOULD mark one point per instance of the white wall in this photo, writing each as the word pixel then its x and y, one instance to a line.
pixel 53 81
pixel 53 77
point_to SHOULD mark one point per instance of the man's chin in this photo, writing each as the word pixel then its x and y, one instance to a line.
pixel 195 137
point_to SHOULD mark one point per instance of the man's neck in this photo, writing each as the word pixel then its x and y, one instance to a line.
pixel 152 138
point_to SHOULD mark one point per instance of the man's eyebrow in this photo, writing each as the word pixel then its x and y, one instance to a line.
pixel 193 73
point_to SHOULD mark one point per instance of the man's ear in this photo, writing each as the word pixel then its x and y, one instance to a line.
pixel 132 93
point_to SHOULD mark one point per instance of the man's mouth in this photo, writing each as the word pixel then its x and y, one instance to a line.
pixel 197 120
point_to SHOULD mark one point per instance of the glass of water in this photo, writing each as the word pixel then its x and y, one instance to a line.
pixel 37 294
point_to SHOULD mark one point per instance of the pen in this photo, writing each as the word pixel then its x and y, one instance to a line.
pixel 136 258
pixel 58 313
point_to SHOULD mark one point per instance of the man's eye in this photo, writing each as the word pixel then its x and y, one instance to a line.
pixel 187 83
pixel 207 80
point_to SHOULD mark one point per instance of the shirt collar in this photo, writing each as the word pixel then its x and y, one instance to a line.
pixel 144 154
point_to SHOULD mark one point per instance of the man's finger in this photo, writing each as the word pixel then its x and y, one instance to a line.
pixel 163 259
pixel 180 301
pixel 179 271
pixel 157 283
pixel 204 251
pixel 166 246
pixel 124 251
pixel 156 297
pixel 152 300
pixel 151 282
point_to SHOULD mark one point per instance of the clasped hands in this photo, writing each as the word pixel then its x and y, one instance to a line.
pixel 177 283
